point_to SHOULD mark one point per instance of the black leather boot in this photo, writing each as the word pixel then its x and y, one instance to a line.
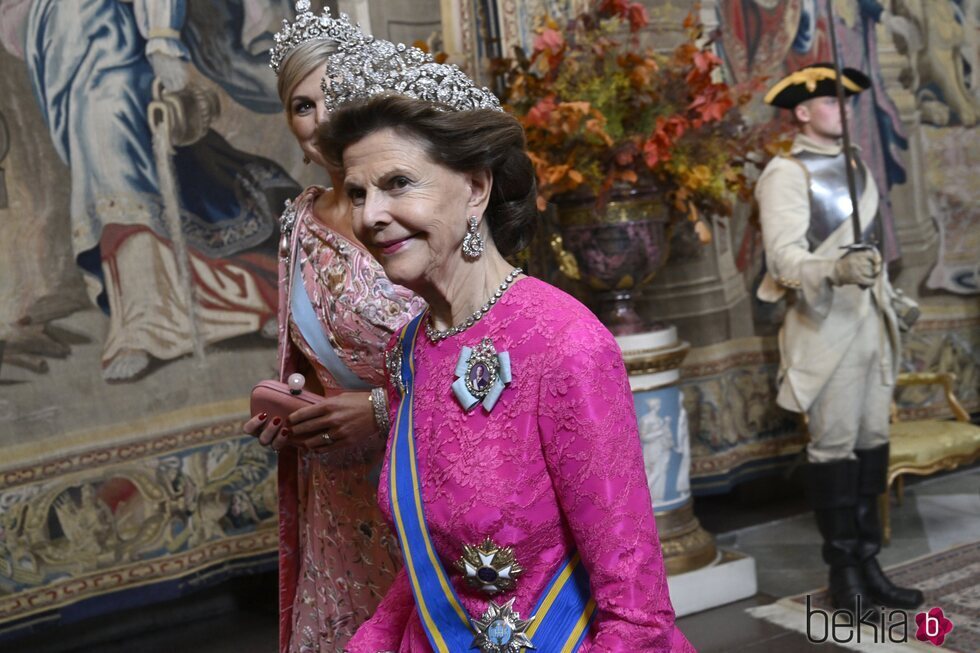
pixel 831 489
pixel 872 482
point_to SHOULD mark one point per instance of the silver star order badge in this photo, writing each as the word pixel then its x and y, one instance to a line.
pixel 393 363
pixel 501 630
pixel 489 567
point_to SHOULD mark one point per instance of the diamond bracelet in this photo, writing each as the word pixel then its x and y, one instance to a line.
pixel 379 401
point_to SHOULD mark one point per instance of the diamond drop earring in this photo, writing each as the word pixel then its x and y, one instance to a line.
pixel 473 241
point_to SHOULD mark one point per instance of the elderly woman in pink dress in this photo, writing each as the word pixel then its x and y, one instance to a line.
pixel 514 475
pixel 337 311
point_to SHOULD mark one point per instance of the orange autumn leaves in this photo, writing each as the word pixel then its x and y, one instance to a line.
pixel 601 112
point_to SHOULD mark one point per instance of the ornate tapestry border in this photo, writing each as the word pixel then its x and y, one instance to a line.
pixel 138 574
pixel 133 443
pixel 149 508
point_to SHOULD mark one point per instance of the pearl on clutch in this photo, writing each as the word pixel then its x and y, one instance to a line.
pixel 296 381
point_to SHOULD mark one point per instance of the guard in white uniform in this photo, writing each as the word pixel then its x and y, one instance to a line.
pixel 839 344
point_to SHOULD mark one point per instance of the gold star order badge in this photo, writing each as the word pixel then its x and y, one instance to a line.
pixel 501 630
pixel 489 568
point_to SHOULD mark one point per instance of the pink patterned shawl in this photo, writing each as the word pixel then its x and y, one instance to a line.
pixel 337 556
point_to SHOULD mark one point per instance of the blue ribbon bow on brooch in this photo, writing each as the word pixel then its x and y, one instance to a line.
pixel 481 374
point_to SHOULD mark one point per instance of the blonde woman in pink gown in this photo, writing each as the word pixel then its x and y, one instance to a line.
pixel 337 310
pixel 514 476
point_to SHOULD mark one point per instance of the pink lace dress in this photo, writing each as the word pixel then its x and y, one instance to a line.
pixel 556 465
pixel 337 556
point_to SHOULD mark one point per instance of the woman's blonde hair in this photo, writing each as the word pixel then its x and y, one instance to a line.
pixel 303 60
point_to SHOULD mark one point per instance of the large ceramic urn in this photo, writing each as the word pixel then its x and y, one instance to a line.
pixel 614 249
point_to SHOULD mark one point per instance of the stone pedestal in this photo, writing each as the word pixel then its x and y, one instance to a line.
pixel 729 578
pixel 653 360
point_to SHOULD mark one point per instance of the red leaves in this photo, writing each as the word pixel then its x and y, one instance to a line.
pixel 712 105
pixel 657 148
pixel 540 114
pixel 653 152
pixel 637 16
pixel 550 41
pixel 632 12
pixel 711 100
pixel 705 61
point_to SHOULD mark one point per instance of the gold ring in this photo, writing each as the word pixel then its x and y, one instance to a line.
pixel 326 438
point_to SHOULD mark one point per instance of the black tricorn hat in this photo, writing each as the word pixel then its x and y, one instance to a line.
pixel 817 80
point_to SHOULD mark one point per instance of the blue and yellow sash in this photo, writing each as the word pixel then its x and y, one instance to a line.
pixel 561 616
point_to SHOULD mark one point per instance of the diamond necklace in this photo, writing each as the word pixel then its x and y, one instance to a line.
pixel 435 335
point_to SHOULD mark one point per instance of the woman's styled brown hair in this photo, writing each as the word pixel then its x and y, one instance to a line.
pixel 464 141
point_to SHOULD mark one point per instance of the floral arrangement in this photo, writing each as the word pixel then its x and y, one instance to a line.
pixel 602 113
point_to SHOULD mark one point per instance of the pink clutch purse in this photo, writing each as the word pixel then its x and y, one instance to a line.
pixel 280 399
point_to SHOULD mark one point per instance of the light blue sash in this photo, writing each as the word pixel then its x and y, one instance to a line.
pixel 311 329
pixel 562 614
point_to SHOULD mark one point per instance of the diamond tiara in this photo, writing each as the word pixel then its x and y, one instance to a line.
pixel 308 27
pixel 377 67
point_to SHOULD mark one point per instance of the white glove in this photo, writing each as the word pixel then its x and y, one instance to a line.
pixel 857 267
pixel 171 71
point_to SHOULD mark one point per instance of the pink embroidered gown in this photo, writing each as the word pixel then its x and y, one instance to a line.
pixel 337 556
pixel 556 465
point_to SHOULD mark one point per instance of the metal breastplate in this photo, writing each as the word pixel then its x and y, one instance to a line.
pixel 830 201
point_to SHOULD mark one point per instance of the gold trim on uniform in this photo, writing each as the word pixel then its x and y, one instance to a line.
pixel 793 284
pixel 809 77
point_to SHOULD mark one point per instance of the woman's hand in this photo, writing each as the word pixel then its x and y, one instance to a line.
pixel 346 419
pixel 270 432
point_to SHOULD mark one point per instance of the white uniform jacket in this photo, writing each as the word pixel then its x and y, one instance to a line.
pixel 824 319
